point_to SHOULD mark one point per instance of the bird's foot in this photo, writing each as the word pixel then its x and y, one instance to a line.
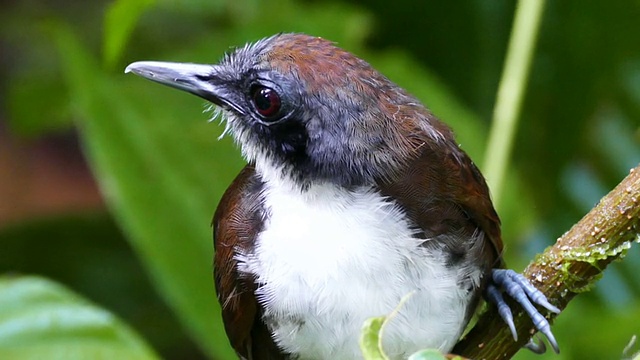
pixel 520 289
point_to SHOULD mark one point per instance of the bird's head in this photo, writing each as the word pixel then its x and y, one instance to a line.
pixel 302 108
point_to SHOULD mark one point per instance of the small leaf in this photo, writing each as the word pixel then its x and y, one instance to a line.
pixel 370 339
pixel 373 331
pixel 427 354
pixel 40 319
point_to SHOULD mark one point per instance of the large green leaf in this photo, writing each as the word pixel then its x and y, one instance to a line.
pixel 156 189
pixel 40 319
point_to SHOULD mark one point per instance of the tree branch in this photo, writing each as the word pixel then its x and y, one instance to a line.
pixel 569 267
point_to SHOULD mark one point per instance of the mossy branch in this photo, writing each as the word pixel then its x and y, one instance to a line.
pixel 569 267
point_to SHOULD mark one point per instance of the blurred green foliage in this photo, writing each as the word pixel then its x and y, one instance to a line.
pixel 161 170
pixel 42 320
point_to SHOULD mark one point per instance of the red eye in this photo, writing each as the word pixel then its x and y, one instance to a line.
pixel 266 101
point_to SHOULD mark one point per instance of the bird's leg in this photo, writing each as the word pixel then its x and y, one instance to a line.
pixel 518 288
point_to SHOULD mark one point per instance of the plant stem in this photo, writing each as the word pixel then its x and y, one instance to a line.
pixel 510 92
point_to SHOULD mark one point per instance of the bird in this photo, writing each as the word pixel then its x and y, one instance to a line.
pixel 354 197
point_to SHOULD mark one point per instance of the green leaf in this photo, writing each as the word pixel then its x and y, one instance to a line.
pixel 370 339
pixel 161 194
pixel 427 354
pixel 40 319
pixel 36 105
pixel 119 22
pixel 373 331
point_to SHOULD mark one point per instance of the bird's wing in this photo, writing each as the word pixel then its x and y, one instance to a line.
pixel 443 192
pixel 236 223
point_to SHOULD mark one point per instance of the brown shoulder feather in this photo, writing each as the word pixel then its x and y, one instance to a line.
pixel 236 223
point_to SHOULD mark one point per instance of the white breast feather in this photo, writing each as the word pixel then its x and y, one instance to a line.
pixel 330 266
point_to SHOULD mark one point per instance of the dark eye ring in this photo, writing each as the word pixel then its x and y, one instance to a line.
pixel 266 101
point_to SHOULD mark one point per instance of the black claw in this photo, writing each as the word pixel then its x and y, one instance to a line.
pixel 519 288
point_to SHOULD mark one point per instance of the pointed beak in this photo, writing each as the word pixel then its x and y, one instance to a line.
pixel 200 80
